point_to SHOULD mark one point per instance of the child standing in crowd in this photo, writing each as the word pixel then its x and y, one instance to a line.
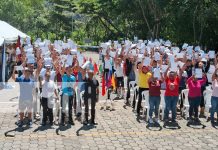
pixel 119 73
pixel 26 95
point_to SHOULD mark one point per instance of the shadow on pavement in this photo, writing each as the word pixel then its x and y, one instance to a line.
pixel 43 128
pixel 62 128
pixel 10 133
pixel 215 125
pixel 85 128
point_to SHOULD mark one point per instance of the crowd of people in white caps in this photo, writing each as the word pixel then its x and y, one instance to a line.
pixel 155 74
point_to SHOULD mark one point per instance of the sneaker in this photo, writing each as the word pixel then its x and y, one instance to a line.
pixel 85 123
pixel 43 123
pixel 190 120
pixel 20 124
pixel 94 123
pixel 212 122
pixel 197 120
pixel 166 120
pixel 156 120
pixel 62 124
pixel 150 121
pixel 174 121
pixel 51 123
pixel 71 122
pixel 30 123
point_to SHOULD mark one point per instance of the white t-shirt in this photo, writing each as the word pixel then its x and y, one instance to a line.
pixel 119 70
pixel 48 89
pixel 215 88
pixel 107 64
pixel 42 74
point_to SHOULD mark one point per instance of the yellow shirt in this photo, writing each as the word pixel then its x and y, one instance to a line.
pixel 143 79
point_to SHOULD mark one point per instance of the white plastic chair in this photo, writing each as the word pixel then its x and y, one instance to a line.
pixel 82 105
pixel 136 88
pixel 207 97
pixel 131 86
pixel 185 103
pixel 162 104
pixel 125 82
pixel 145 99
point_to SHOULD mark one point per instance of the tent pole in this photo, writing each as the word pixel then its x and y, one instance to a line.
pixel 3 64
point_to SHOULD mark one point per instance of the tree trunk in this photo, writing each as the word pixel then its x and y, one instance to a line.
pixel 145 18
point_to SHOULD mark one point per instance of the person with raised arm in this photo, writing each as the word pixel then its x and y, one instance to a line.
pixel 172 80
pixel 214 98
pixel 194 96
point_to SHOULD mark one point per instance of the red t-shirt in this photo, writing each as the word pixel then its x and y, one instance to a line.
pixel 172 87
pixel 154 88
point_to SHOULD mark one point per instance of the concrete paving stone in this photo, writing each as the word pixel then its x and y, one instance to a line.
pixel 119 148
pixel 127 146
pixel 110 147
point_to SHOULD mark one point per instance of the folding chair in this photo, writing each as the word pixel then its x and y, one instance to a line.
pixel 131 86
pixel 186 103
pixel 162 104
pixel 207 96
pixel 146 106
pixel 136 88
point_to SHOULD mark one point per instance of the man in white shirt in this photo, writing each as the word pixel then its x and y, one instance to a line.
pixel 119 74
pixel 48 91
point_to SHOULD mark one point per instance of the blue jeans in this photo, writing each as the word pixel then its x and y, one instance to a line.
pixel 214 108
pixel 171 102
pixel 154 102
pixel 194 103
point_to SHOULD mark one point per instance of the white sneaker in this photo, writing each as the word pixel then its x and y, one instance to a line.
pixel 156 120
pixel 150 121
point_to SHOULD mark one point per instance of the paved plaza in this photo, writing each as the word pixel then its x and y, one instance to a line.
pixel 118 129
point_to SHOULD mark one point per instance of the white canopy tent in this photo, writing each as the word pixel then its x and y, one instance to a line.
pixel 8 34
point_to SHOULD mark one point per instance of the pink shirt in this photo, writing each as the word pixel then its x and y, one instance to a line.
pixel 195 87
pixel 215 88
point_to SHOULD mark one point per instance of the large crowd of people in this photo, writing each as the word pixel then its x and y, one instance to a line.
pixel 58 73
pixel 157 66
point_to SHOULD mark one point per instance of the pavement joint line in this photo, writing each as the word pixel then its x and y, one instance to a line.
pixel 107 134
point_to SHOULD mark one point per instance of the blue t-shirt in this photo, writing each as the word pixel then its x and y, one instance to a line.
pixel 67 84
pixel 26 88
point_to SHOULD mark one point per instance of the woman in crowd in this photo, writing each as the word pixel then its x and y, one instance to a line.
pixel 194 95
pixel 154 97
pixel 202 64
pixel 172 93
pixel 144 76
pixel 214 98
